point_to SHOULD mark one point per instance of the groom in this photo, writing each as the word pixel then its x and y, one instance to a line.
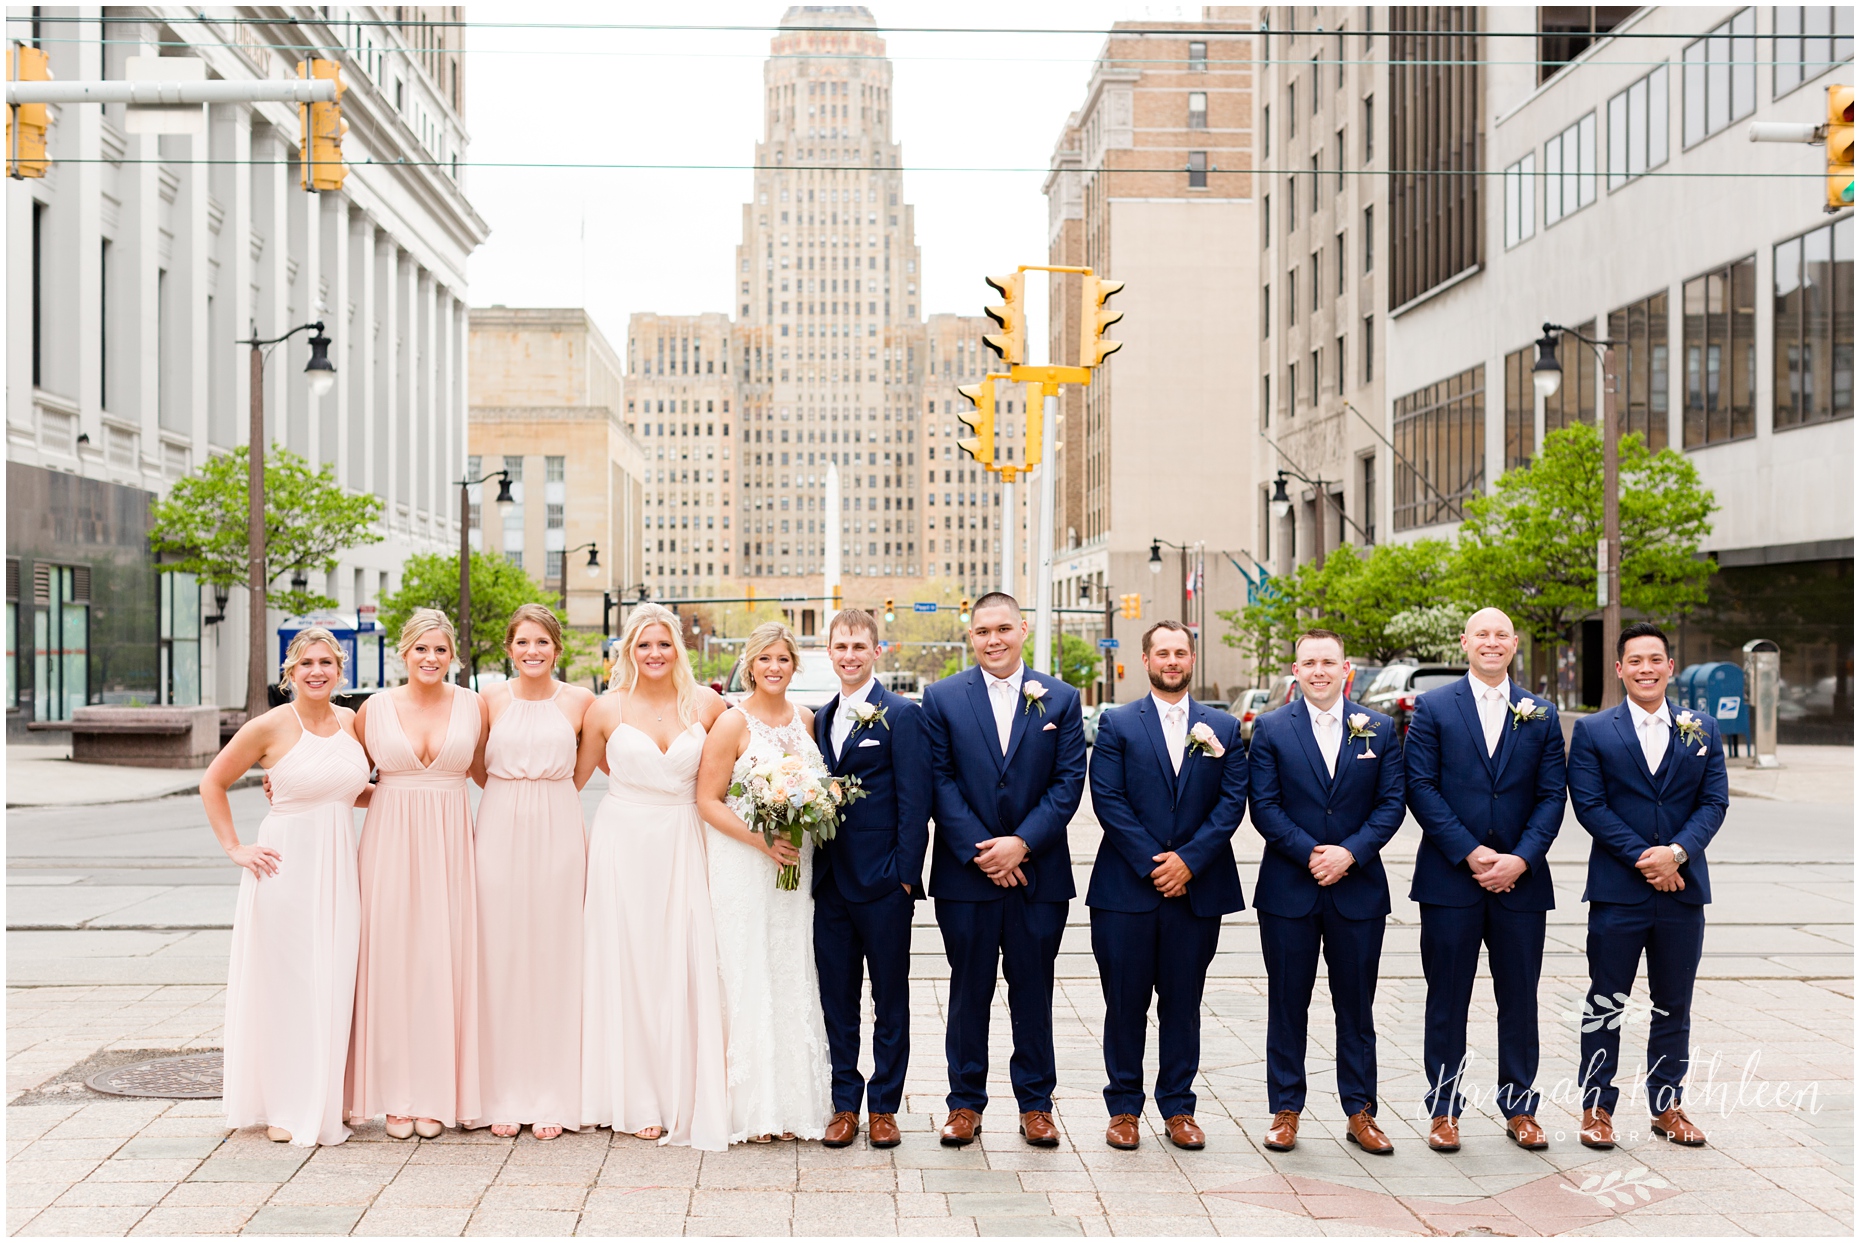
pixel 1008 748
pixel 868 878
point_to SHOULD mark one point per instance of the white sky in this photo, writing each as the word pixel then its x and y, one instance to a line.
pixel 664 240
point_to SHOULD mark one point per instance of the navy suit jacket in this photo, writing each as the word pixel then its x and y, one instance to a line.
pixel 1463 798
pixel 1146 807
pixel 1298 806
pixel 1626 809
pixel 882 838
pixel 1031 793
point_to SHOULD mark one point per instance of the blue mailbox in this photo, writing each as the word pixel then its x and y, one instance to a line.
pixel 1716 688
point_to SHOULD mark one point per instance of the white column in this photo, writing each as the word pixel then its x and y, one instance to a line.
pixel 364 467
pixel 340 327
pixel 389 410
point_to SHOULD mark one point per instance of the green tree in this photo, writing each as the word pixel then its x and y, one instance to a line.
pixel 1264 628
pixel 1075 659
pixel 912 632
pixel 1529 546
pixel 430 580
pixel 1356 594
pixel 310 520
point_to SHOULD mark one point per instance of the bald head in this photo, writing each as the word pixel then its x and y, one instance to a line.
pixel 1490 643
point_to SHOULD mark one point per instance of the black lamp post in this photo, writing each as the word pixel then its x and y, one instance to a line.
pixel 320 374
pixel 593 567
pixel 1282 505
pixel 503 498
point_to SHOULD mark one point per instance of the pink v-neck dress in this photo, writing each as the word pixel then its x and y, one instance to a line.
pixel 415 1048
pixel 291 986
pixel 532 870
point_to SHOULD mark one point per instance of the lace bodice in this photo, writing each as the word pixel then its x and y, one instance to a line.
pixel 772 741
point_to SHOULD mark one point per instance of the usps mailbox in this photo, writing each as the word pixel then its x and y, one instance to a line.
pixel 1716 689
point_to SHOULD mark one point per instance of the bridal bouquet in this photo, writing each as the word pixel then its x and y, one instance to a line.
pixel 794 798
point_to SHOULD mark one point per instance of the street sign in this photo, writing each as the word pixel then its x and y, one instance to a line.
pixel 923 606
pixel 1107 643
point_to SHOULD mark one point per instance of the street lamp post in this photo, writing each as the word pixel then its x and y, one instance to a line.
pixel 1282 505
pixel 1547 378
pixel 503 498
pixel 1200 616
pixel 320 374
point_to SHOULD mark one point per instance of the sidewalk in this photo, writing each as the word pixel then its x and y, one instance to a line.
pixel 46 777
pixel 1804 775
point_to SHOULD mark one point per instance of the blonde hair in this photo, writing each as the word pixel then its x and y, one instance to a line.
pixel 543 616
pixel 765 636
pixel 294 655
pixel 419 622
pixel 626 669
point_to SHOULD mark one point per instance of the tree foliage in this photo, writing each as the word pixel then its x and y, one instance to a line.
pixel 1530 546
pixel 310 520
pixel 1358 595
pixel 430 580
pixel 1075 660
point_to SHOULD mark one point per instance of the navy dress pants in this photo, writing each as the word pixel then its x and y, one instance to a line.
pixel 1514 945
pixel 1672 933
pixel 1021 939
pixel 1352 951
pixel 1164 953
pixel 854 940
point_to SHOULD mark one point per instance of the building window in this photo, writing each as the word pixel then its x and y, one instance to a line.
pixel 179 638
pixel 1340 376
pixel 1520 409
pixel 1197 110
pixel 1644 367
pixel 1811 40
pixel 1369 348
pixel 1575 397
pixel 1265 311
pixel 1569 171
pixel 1291 110
pixel 1342 264
pixel 1317 280
pixel 1291 298
pixel 1265 131
pixel 552 565
pixel 1637 129
pixel 38 295
pixel 1721 77
pixel 1369 498
pixel 1197 56
pixel 1439 432
pixel 1369 128
pixel 1436 136
pixel 1317 360
pixel 1815 326
pixel 1314 183
pixel 1369 239
pixel 514 465
pixel 1566 31
pixel 1197 170
pixel 1721 354
pixel 555 469
pixel 553 515
pixel 1291 203
pixel 60 640
pixel 1291 390
pixel 1521 201
pixel 1265 222
pixel 1340 150
pixel 1265 401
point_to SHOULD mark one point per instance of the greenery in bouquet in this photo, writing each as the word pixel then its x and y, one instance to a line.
pixel 791 798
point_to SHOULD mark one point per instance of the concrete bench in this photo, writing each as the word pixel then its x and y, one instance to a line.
pixel 157 737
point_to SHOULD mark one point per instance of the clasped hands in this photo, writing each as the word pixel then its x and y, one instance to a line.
pixel 1329 863
pixel 1000 859
pixel 1495 872
pixel 1660 869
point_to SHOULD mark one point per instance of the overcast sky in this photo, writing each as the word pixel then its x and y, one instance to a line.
pixel 626 240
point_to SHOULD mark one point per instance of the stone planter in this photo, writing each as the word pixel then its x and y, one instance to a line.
pixel 163 737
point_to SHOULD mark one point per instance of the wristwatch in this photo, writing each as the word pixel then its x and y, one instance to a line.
pixel 1679 852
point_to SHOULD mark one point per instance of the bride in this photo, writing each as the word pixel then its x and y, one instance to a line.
pixel 779 1070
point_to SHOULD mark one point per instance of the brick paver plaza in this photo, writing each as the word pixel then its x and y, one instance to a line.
pixel 117 941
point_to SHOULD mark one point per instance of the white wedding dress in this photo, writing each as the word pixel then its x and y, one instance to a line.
pixel 780 1075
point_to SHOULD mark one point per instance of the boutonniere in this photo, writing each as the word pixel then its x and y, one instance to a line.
pixel 1528 710
pixel 1201 738
pixel 1032 693
pixel 1361 728
pixel 1691 729
pixel 865 715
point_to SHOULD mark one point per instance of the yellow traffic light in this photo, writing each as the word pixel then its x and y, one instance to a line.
pixel 980 446
pixel 890 613
pixel 26 124
pixel 1094 319
pixel 963 613
pixel 1034 425
pixel 1840 148
pixel 1132 604
pixel 1011 342
pixel 320 145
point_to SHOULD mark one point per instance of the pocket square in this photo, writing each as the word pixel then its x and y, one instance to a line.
pixel 1048 725
pixel 1367 755
pixel 870 742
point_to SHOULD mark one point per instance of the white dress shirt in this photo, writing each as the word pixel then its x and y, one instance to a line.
pixel 1327 726
pixel 1493 703
pixel 1174 718
pixel 843 720
pixel 1004 698
pixel 1654 729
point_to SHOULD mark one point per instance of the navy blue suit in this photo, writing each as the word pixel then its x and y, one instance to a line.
pixel 1297 806
pixel 1146 943
pixel 866 883
pixel 1510 801
pixel 1031 792
pixel 1626 809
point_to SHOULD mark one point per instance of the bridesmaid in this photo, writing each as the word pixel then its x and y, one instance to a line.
pixel 652 1025
pixel 532 868
pixel 291 987
pixel 414 1053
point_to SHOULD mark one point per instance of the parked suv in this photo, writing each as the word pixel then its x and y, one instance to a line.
pixel 1398 686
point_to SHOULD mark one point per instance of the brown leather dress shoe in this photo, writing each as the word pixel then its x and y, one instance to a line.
pixel 1525 1133
pixel 960 1127
pixel 1365 1134
pixel 842 1130
pixel 1183 1132
pixel 881 1130
pixel 1037 1126
pixel 1282 1135
pixel 1598 1129
pixel 1677 1127
pixel 1124 1132
pixel 1444 1134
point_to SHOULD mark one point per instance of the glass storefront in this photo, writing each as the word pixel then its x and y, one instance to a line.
pixel 61 640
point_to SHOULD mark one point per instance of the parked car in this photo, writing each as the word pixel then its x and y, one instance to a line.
pixel 1248 707
pixel 1090 722
pixel 1398 686
pixel 1220 704
pixel 813 687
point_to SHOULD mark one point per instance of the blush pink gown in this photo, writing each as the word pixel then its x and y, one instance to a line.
pixel 291 987
pixel 532 870
pixel 415 1047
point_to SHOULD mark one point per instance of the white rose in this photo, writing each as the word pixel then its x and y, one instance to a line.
pixel 1033 690
pixel 1526 707
pixel 1359 720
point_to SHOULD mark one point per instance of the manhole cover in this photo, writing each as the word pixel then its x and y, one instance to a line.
pixel 196 1076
